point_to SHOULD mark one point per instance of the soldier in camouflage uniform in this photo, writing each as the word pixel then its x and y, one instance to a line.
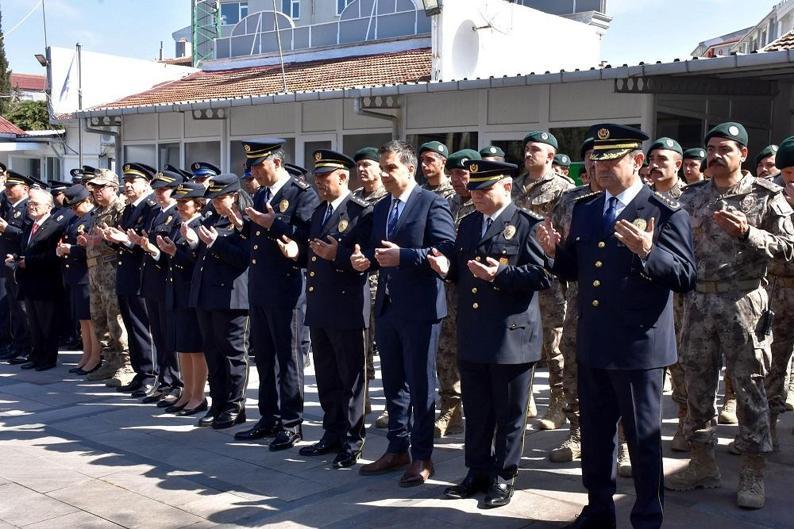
pixel 766 163
pixel 665 159
pixel 450 418
pixel 101 261
pixel 433 158
pixel 371 190
pixel 739 223
pixel 539 190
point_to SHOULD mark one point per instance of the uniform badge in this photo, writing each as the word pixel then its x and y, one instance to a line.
pixel 283 205
pixel 509 232
pixel 168 220
pixel 59 218
pixel 640 224
pixel 503 261
pixel 603 134
pixel 208 214
pixel 246 147
pixel 748 202
pixel 733 130
pixel 473 168
pixel 80 229
pixel 343 224
pixel 318 156
pixel 17 214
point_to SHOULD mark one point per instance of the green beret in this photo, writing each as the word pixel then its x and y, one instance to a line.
pixel 491 150
pixel 666 144
pixel 541 136
pixel 458 158
pixel 436 147
pixel 695 153
pixel 367 153
pixel 769 150
pixel 785 154
pixel 730 131
pixel 562 160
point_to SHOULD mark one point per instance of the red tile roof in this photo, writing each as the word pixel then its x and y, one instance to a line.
pixel 786 42
pixel 6 127
pixel 28 82
pixel 348 72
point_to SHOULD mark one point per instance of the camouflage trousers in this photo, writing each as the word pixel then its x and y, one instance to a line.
pixel 781 300
pixel 729 324
pixel 570 327
pixel 677 370
pixel 447 355
pixel 373 289
pixel 552 315
pixel 105 313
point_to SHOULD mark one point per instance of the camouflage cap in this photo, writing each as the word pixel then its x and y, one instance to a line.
pixel 104 177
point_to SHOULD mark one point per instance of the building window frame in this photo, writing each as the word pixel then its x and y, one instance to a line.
pixel 291 8
pixel 341 5
pixel 242 12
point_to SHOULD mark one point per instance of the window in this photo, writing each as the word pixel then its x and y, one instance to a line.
pixel 53 168
pixel 168 153
pixel 341 5
pixel 203 151
pixel 141 154
pixel 291 8
pixel 237 154
pixel 233 12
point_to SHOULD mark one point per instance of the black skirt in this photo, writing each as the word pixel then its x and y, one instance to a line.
pixel 79 302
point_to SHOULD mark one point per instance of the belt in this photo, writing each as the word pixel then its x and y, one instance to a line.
pixel 719 287
pixel 781 281
pixel 91 262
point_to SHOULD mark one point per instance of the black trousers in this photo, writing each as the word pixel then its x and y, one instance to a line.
pixel 18 320
pixel 339 360
pixel 276 336
pixel 160 320
pixel 223 340
pixel 635 396
pixel 495 397
pixel 142 352
pixel 43 331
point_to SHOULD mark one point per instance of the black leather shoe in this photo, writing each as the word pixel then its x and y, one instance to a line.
pixel 228 418
pixel 157 396
pixel 28 365
pixel 75 370
pixel 174 408
pixel 209 418
pixel 285 439
pixel 84 372
pixel 146 390
pixel 192 411
pixel 18 360
pixel 498 495
pixel 346 458
pixel 135 385
pixel 585 520
pixel 263 428
pixel 471 485
pixel 322 447
pixel 45 367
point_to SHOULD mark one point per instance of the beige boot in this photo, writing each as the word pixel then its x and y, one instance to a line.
pixel 751 493
pixel 124 374
pixel 450 419
pixel 679 442
pixel 569 450
pixel 624 461
pixel 702 471
pixel 555 415
pixel 108 368
pixel 383 420
pixel 728 412
pixel 532 408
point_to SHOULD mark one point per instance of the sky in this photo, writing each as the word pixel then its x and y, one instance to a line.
pixel 641 30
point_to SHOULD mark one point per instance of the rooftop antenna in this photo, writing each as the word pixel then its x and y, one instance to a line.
pixel 280 52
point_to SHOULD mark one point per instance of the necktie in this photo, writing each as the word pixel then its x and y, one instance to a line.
pixel 610 215
pixel 488 222
pixel 34 229
pixel 328 213
pixel 267 196
pixel 393 216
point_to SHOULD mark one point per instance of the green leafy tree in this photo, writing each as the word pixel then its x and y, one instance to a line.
pixel 5 74
pixel 29 115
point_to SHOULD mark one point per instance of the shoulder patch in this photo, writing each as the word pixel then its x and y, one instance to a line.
pixel 531 214
pixel 769 185
pixel 301 184
pixel 668 203
pixel 587 196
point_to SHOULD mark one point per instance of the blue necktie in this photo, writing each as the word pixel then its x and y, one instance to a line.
pixel 328 213
pixel 610 216
pixel 391 224
pixel 266 197
pixel 487 226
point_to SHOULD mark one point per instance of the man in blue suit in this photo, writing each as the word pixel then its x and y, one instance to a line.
pixel 629 248
pixel 409 306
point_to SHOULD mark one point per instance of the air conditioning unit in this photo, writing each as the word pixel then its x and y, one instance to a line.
pixel 107 139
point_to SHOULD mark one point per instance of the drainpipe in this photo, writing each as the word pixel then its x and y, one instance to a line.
pixel 396 128
pixel 116 135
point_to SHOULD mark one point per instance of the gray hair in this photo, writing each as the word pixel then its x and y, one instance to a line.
pixel 403 150
pixel 39 191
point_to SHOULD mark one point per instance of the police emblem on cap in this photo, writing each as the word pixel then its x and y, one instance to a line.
pixel 441 148
pixel 669 143
pixel 283 205
pixel 127 167
pixel 640 224
pixel 733 130
pixel 544 136
pixel 342 225
pixel 196 165
pixel 473 168
pixel 509 232
pixel 603 134
pixel 246 148
pixel 318 157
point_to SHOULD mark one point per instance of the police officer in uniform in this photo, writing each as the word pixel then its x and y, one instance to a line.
pixel 283 206
pixel 628 248
pixel 497 267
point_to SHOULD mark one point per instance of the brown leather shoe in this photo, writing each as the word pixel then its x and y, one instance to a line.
pixel 419 472
pixel 388 462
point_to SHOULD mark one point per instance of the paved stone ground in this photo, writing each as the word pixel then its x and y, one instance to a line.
pixel 75 454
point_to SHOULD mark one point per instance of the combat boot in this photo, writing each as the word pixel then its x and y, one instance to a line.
pixel 679 442
pixel 450 419
pixel 124 374
pixel 383 420
pixel 108 368
pixel 702 471
pixel 751 493
pixel 624 461
pixel 569 450
pixel 532 408
pixel 728 412
pixel 555 415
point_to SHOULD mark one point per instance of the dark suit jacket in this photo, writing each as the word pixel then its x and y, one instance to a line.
pixel 625 307
pixel 180 267
pixel 499 322
pixel 274 280
pixel 220 275
pixel 73 264
pixel 415 291
pixel 155 273
pixel 130 262
pixel 41 277
pixel 337 296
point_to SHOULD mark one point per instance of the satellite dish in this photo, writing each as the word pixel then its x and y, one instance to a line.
pixel 465 50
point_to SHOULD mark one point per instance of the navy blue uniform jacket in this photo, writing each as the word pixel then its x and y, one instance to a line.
pixel 416 291
pixel 130 262
pixel 625 307
pixel 220 275
pixel 499 321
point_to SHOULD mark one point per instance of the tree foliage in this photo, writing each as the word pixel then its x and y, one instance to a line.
pixel 5 73
pixel 29 115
